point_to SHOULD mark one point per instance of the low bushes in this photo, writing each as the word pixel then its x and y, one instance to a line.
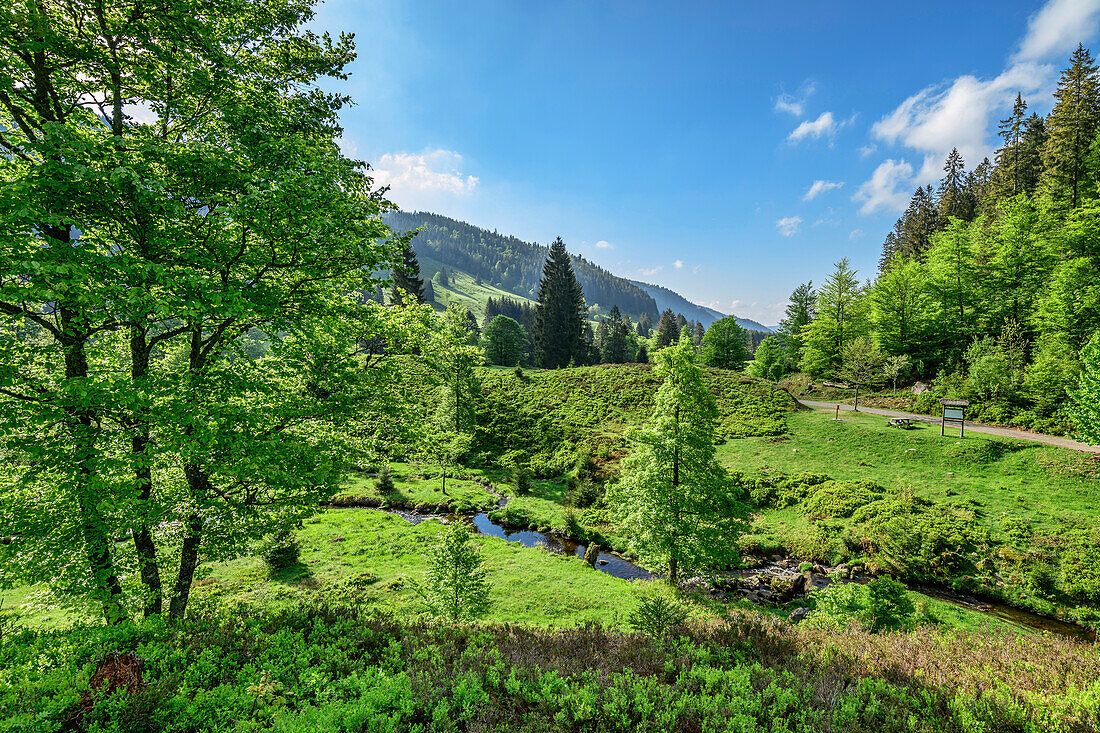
pixel 338 669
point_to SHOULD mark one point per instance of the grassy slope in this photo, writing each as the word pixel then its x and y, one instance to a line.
pixel 463 289
pixel 1041 484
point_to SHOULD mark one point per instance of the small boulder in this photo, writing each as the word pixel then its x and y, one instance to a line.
pixel 592 554
pixel 798 614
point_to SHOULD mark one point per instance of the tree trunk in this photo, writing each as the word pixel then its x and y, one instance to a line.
pixel 198 482
pixel 97 548
pixel 140 444
pixel 855 402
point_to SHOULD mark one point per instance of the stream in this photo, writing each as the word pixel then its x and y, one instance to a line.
pixel 619 567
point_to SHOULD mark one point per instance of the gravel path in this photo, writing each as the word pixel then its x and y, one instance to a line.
pixel 976 427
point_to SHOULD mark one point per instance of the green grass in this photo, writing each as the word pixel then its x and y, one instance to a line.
pixel 419 485
pixel 377 557
pixel 464 290
pixel 1044 485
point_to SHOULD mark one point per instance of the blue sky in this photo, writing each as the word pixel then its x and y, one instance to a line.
pixel 727 150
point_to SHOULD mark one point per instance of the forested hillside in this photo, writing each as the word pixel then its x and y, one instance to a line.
pixel 512 264
pixel 670 299
pixel 989 283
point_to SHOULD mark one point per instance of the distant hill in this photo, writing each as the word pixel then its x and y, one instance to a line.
pixel 666 298
pixel 512 265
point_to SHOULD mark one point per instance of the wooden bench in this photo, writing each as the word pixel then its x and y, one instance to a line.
pixel 905 423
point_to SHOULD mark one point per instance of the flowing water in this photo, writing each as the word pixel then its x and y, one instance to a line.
pixel 619 567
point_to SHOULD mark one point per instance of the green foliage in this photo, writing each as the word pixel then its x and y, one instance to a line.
pixel 280 550
pixel 384 482
pixel 881 605
pixel 1080 564
pixel 770 360
pixel 840 315
pixel 779 490
pixel 504 342
pixel 455 587
pixel 839 604
pixel 1085 408
pixel 673 498
pixel 725 345
pixel 889 605
pixel 658 616
pixel 180 295
pixel 559 320
pixel 344 669
pixel 834 499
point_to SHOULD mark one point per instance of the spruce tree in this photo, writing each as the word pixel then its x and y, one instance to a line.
pixel 559 317
pixel 667 330
pixel 1071 126
pixel 645 325
pixel 954 195
pixel 406 278
pixel 1008 157
pixel 614 346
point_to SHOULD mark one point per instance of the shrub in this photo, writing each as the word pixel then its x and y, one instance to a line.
pixel 840 498
pixel 584 493
pixel 280 550
pixel 838 604
pixel 1080 565
pixel 521 477
pixel 889 605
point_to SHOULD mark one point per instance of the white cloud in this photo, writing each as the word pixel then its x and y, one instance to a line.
pixel 938 118
pixel 867 150
pixel 602 244
pixel 678 264
pixel 788 225
pixel 415 179
pixel 787 103
pixel 695 270
pixel 651 271
pixel 792 104
pixel 1057 28
pixel 820 187
pixel 962 113
pixel 855 234
pixel 881 191
pixel 824 126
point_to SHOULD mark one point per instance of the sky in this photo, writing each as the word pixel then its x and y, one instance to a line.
pixel 727 150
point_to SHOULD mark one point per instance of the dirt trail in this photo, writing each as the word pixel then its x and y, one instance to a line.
pixel 970 426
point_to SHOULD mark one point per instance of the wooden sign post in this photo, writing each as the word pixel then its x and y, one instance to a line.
pixel 953 414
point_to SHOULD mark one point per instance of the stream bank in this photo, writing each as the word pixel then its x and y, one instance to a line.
pixel 773 582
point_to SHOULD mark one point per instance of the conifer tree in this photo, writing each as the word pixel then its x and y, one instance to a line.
pixel 667 330
pixel 444 280
pixel 1008 157
pixel 645 325
pixel 429 292
pixel 954 195
pixel 560 314
pixel 679 505
pixel 614 346
pixel 1071 127
pixel 406 278
pixel 697 334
